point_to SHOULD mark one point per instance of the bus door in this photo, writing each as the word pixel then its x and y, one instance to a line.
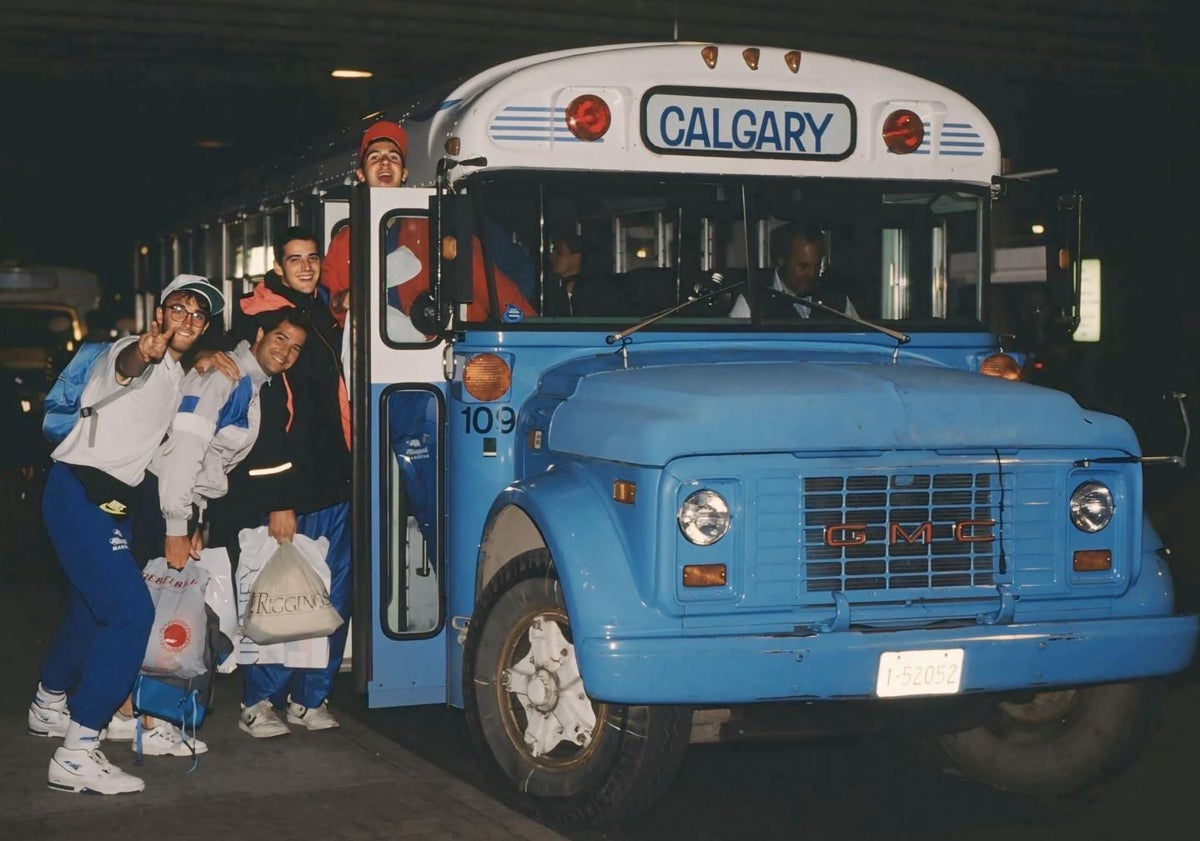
pixel 399 629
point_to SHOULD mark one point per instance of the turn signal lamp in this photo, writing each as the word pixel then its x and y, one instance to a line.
pixel 704 575
pixel 588 117
pixel 1092 560
pixel 903 132
pixel 487 377
pixel 624 491
pixel 1001 365
pixel 449 248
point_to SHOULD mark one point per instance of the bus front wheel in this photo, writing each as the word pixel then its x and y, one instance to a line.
pixel 558 755
pixel 1057 742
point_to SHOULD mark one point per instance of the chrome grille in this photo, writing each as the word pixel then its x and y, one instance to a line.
pixel 899 552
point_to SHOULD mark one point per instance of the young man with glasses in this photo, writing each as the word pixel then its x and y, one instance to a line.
pixel 99 647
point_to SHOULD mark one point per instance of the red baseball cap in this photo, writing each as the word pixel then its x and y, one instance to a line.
pixel 384 130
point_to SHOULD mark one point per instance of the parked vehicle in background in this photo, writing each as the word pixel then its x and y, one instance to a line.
pixel 43 318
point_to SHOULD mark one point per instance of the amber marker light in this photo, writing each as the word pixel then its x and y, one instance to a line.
pixel 588 117
pixel 704 575
pixel 1092 560
pixel 487 377
pixel 709 54
pixel 1001 365
pixel 792 59
pixel 903 132
pixel 624 491
pixel 453 146
pixel 750 56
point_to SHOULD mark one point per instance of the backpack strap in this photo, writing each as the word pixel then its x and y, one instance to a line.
pixel 90 412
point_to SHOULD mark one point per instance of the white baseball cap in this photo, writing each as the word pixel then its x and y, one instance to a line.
pixel 197 285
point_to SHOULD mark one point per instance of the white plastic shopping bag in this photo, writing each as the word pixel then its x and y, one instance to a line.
pixel 180 632
pixel 257 547
pixel 221 596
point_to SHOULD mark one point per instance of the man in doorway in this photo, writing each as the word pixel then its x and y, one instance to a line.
pixel 298 476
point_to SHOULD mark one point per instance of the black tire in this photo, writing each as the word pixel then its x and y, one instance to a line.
pixel 1058 742
pixel 632 753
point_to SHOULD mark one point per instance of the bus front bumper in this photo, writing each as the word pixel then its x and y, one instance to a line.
pixel 728 669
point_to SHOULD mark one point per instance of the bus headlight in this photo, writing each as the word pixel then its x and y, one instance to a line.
pixel 704 517
pixel 1091 507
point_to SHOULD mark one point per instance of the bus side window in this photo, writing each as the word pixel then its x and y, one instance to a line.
pixel 409 578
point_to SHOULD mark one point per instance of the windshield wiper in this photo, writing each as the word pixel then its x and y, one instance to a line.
pixel 695 298
pixel 901 338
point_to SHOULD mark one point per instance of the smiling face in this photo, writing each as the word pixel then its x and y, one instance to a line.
pixel 278 348
pixel 301 268
pixel 188 315
pixel 383 165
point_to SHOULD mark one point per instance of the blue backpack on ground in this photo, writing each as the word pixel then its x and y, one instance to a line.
pixel 61 406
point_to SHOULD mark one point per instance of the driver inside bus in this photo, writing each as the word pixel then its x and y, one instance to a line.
pixel 799 256
pixel 382 156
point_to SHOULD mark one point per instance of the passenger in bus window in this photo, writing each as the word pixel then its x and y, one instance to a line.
pixel 382 155
pixel 799 253
pixel 296 478
pixel 571 290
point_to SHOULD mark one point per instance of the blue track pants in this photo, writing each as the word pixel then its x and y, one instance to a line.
pixel 310 687
pixel 101 643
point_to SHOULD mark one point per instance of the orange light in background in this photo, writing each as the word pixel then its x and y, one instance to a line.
pixel 452 146
pixel 1091 560
pixel 792 59
pixel 709 54
pixel 487 377
pixel 750 56
pixel 704 575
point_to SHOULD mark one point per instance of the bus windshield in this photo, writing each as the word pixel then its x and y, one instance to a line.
pixel 604 247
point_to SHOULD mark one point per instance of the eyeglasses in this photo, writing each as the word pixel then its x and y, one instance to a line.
pixel 179 312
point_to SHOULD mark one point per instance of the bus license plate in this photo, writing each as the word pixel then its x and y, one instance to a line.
pixel 909 673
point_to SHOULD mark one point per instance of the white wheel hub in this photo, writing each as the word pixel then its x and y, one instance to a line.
pixel 549 687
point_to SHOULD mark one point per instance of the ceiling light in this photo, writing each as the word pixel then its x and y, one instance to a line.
pixel 347 73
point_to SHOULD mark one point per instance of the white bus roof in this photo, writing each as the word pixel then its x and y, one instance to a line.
pixel 671 112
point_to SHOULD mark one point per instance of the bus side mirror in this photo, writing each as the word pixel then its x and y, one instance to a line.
pixel 1063 266
pixel 453 246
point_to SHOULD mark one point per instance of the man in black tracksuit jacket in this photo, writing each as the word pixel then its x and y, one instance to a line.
pixel 298 474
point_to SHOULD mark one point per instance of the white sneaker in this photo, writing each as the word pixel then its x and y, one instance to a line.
pixel 48 721
pixel 87 771
pixel 261 722
pixel 314 718
pixel 120 729
pixel 166 739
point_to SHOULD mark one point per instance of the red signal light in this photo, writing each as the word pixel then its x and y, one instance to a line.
pixel 903 132
pixel 588 117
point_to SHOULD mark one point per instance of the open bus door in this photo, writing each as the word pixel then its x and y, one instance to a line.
pixel 398 412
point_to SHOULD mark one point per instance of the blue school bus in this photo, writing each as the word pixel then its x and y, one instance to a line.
pixel 652 501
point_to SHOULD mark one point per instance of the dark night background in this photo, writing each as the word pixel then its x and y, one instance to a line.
pixel 105 104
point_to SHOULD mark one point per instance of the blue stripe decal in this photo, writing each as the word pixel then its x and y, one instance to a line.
pixel 449 103
pixel 188 403
pixel 235 412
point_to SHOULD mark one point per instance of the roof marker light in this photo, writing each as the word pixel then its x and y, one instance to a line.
pixel 709 54
pixel 750 55
pixel 792 59
pixel 903 132
pixel 588 117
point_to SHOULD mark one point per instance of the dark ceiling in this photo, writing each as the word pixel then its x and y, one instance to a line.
pixel 113 96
